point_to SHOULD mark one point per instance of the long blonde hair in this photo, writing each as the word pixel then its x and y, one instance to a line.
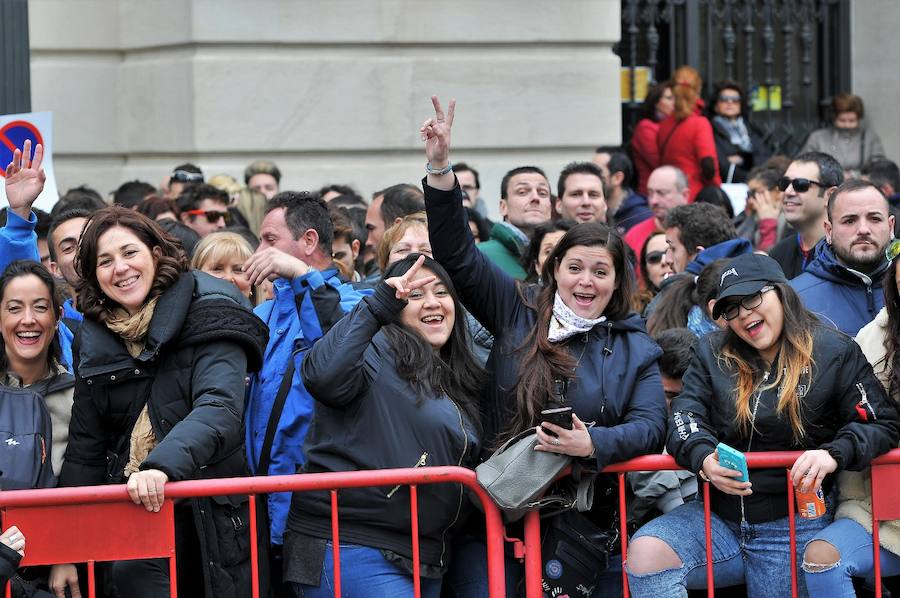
pixel 794 364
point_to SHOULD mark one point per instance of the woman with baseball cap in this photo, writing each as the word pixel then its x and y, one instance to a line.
pixel 776 379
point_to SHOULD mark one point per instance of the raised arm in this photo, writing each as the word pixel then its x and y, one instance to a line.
pixel 24 182
pixel 485 290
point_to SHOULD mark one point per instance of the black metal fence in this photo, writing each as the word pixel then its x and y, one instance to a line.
pixel 791 56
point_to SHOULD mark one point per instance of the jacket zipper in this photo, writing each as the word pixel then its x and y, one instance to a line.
pixel 753 429
pixel 419 463
pixel 462 491
pixel 864 401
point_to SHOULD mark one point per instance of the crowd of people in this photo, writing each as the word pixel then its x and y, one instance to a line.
pixel 209 328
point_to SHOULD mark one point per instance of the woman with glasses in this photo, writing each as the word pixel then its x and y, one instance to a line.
pixel 844 549
pixel 652 270
pixel 775 379
pixel 738 146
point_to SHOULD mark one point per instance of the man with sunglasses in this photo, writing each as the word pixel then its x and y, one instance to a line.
pixel 183 176
pixel 843 284
pixel 204 209
pixel 805 185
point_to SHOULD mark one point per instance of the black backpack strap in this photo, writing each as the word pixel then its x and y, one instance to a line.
pixel 275 416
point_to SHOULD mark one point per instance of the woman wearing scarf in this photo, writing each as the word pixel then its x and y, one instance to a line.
pixel 160 361
pixel 738 146
pixel 577 327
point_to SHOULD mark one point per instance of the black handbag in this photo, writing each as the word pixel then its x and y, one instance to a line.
pixel 574 552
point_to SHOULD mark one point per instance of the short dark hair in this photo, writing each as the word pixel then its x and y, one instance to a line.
pixel 399 201
pixel 847 102
pixel 850 186
pixel 880 171
pixel 620 162
pixel 576 168
pixel 188 167
pixel 58 221
pixel 648 107
pixel 347 201
pixel 676 345
pixel 830 172
pixel 463 167
pixel 155 205
pixel 344 190
pixel 44 220
pixel 721 86
pixel 504 193
pixel 701 225
pixel 304 211
pixel 78 197
pixel 192 196
pixel 132 193
pixel 714 195
pixel 767 174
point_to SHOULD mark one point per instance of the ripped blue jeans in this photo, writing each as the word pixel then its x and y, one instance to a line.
pixel 854 544
pixel 757 554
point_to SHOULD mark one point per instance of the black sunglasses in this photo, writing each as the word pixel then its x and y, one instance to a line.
pixel 212 216
pixel 732 310
pixel 800 185
pixel 655 257
pixel 183 176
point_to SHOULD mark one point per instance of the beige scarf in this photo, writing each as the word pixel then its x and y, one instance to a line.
pixel 133 331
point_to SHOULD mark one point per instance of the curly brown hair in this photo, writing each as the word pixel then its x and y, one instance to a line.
pixel 171 261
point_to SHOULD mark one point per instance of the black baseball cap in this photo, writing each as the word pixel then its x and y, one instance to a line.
pixel 745 275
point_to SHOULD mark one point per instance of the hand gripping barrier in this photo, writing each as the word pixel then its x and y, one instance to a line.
pixel 99 523
pixel 885 506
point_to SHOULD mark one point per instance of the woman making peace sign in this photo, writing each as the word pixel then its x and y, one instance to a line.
pixel 395 385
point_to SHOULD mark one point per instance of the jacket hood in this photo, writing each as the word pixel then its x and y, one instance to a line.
pixel 826 266
pixel 631 323
pixel 505 234
pixel 632 210
pixel 726 249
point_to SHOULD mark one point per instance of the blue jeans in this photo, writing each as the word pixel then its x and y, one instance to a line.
pixel 364 573
pixel 854 544
pixel 757 554
pixel 467 577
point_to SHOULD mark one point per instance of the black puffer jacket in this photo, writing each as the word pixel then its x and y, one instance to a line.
pixel 203 339
pixel 368 417
pixel 844 409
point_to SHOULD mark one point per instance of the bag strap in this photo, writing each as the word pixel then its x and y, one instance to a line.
pixel 662 146
pixel 515 439
pixel 265 456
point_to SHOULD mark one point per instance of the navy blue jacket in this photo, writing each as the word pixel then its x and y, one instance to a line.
pixel 617 383
pixel 633 210
pixel 838 295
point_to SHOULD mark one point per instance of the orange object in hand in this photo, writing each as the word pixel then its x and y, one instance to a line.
pixel 810 505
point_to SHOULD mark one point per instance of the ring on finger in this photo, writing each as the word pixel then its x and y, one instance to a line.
pixel 557 441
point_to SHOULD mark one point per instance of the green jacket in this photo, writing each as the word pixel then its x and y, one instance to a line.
pixel 505 249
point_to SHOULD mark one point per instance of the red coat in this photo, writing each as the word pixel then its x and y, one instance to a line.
pixel 683 144
pixel 645 151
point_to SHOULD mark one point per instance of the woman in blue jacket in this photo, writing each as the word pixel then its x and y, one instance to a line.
pixel 578 326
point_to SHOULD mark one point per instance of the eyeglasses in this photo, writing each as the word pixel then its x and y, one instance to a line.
pixel 183 176
pixel 800 185
pixel 730 99
pixel 655 257
pixel 732 310
pixel 212 216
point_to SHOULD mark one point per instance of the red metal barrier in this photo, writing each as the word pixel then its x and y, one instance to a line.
pixel 72 525
pixel 61 525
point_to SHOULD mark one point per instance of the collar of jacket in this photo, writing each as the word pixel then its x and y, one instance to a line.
pixel 826 265
pixel 510 237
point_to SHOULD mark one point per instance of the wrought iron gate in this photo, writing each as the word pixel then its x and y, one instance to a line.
pixel 791 56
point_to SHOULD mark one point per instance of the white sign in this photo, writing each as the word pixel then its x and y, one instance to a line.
pixel 14 130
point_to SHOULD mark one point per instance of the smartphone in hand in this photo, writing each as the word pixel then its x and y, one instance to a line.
pixel 730 458
pixel 560 416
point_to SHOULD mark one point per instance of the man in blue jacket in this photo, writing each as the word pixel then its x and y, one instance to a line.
pixel 295 253
pixel 842 284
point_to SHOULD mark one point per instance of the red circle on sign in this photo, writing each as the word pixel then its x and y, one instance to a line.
pixel 9 144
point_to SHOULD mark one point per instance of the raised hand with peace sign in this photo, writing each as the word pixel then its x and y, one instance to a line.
pixel 25 179
pixel 404 285
pixel 436 135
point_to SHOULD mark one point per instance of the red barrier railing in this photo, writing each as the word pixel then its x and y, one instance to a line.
pixel 84 516
pixel 72 525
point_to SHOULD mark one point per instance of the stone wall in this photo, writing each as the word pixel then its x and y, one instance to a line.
pixel 332 91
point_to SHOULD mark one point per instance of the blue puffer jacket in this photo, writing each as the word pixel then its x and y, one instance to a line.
pixel 838 295
pixel 617 383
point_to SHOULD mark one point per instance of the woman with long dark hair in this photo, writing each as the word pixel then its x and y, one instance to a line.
pixel 577 328
pixel 687 302
pixel 395 386
pixel 161 361
pixel 844 549
pixel 775 380
pixel 659 103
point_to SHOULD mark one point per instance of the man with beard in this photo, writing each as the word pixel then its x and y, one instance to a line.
pixel 843 283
